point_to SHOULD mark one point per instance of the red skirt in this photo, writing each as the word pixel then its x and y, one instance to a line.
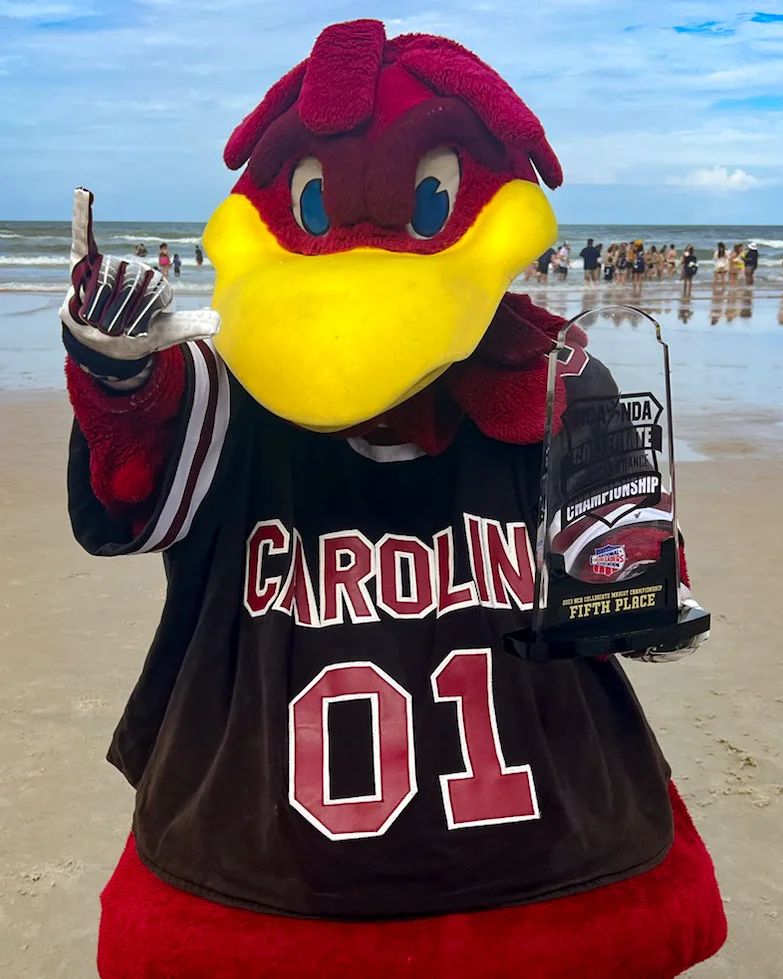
pixel 651 926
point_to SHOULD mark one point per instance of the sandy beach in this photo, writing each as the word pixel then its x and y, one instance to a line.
pixel 75 630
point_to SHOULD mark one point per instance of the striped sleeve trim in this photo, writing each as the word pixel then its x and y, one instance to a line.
pixel 199 454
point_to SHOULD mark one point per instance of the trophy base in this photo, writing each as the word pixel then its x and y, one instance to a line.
pixel 669 632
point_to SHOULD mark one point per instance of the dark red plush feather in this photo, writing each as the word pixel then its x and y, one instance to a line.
pixel 129 436
pixel 652 926
pixel 449 68
pixel 336 89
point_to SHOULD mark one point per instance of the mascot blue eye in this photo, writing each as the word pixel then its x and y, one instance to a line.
pixel 432 208
pixel 437 183
pixel 311 203
pixel 307 196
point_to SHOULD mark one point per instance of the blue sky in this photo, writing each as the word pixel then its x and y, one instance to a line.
pixel 661 112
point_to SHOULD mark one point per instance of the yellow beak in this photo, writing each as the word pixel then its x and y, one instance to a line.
pixel 329 341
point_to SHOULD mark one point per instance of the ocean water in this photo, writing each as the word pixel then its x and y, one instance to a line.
pixel 34 255
pixel 726 340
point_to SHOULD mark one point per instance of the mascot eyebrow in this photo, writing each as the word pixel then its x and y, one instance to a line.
pixel 437 122
pixel 334 92
pixel 367 173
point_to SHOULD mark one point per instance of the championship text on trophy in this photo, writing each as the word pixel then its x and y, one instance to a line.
pixel 607 549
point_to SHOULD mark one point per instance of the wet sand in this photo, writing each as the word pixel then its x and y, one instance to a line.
pixel 75 630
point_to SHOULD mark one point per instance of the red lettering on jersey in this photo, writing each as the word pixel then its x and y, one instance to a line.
pixel 393 553
pixel 488 790
pixel 510 565
pixel 449 596
pixel 474 531
pixel 309 789
pixel 297 594
pixel 268 536
pixel 346 567
pixel 411 578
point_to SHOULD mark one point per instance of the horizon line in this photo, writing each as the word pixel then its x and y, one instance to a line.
pixel 578 224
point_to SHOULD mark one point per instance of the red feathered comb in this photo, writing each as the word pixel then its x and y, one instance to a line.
pixel 334 91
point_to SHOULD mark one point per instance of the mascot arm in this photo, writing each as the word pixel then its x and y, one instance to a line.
pixel 141 380
pixel 142 462
pixel 129 428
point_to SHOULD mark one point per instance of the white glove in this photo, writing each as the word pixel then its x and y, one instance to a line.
pixel 662 654
pixel 117 308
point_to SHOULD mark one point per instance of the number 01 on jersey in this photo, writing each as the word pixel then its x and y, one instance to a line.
pixel 486 791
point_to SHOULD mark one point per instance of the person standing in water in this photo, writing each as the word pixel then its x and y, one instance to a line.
pixel 622 263
pixel 176 263
pixel 638 262
pixel 542 266
pixel 736 263
pixel 671 259
pixel 609 263
pixel 164 262
pixel 199 256
pixel 751 259
pixel 721 260
pixel 589 255
pixel 690 266
pixel 563 260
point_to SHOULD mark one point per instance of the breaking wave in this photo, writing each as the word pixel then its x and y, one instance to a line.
pixel 191 288
pixel 33 287
pixel 52 260
pixel 156 239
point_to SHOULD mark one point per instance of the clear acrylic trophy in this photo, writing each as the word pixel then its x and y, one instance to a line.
pixel 607 549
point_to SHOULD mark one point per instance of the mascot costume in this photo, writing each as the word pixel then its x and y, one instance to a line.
pixel 339 771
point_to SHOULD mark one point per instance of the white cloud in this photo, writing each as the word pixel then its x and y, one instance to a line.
pixel 766 74
pixel 35 10
pixel 719 179
pixel 631 106
pixel 654 158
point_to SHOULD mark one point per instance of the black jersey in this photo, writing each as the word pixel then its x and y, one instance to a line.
pixel 327 723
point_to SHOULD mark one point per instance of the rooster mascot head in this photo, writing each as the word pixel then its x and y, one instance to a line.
pixel 389 198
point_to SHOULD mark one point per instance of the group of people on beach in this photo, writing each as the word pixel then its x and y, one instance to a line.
pixel 626 261
pixel 740 262
pixel 631 261
pixel 166 262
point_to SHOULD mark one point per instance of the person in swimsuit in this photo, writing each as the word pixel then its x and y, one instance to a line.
pixel 736 262
pixel 542 266
pixel 609 263
pixel 721 260
pixel 164 262
pixel 622 262
pixel 671 260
